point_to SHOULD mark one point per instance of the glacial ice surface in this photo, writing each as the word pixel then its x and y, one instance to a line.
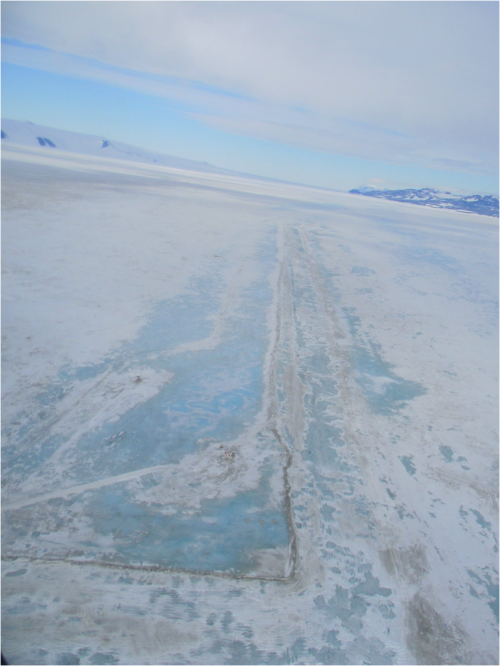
pixel 244 422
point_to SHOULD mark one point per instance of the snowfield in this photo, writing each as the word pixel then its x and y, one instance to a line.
pixel 244 422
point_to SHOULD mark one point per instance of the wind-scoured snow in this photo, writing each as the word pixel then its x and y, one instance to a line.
pixel 243 421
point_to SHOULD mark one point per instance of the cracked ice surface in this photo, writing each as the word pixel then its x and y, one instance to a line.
pixel 244 422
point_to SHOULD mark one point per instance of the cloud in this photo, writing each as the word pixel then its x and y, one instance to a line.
pixel 395 81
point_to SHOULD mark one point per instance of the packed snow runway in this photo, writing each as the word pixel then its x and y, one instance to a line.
pixel 243 422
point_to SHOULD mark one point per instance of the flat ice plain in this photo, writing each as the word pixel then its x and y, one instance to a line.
pixel 243 422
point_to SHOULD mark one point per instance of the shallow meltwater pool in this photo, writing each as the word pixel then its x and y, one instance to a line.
pixel 133 477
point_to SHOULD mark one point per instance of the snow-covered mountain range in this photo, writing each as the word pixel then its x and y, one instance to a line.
pixel 475 203
pixel 16 132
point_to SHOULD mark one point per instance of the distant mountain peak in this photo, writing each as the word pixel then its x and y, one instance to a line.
pixel 26 133
pixel 427 196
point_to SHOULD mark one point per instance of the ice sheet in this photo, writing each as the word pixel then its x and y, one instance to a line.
pixel 244 423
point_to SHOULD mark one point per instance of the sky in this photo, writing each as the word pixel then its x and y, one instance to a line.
pixel 332 94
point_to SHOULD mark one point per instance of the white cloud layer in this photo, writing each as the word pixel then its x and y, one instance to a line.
pixel 413 82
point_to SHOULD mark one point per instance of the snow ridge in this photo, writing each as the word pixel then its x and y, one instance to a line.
pixel 16 132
